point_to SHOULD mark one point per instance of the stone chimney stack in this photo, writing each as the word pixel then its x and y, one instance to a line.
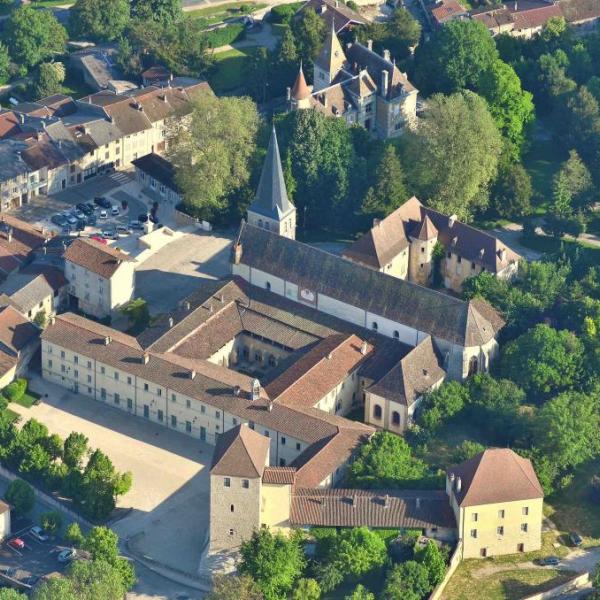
pixel 370 44
pixel 458 484
pixel 384 82
pixel 255 390
pixel 386 55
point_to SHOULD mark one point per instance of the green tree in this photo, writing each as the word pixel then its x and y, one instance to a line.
pixel 568 428
pixel 511 107
pixel 385 461
pixel 40 318
pixel 577 178
pixel 310 31
pixel 211 158
pixel 432 559
pixel 19 494
pixel 273 561
pixel 442 404
pixel 358 550
pixel 388 191
pixel 75 450
pixel 234 587
pixel 137 313
pixel 33 36
pixel 455 57
pixel 4 64
pixel 329 575
pixel 49 79
pixel 512 191
pixel 407 581
pixel 74 536
pixel 97 495
pixel 398 34
pixel 163 11
pixel 552 79
pixel 54 445
pixel 465 450
pixel 10 594
pixel 99 20
pixel 543 361
pixel 56 588
pixel 453 155
pixel 51 522
pixel 360 592
pixel 35 460
pixel 306 589
pixel 96 579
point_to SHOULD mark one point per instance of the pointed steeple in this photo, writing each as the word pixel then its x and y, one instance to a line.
pixel 300 91
pixel 332 57
pixel 271 198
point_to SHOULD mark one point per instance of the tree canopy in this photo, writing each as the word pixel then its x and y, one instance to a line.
pixel 99 20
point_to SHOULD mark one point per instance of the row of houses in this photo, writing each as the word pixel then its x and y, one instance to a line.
pixel 58 142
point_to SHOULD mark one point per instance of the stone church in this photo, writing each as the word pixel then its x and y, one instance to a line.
pixel 360 86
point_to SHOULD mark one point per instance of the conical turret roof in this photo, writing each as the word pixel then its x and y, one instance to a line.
pixel 300 91
pixel 271 198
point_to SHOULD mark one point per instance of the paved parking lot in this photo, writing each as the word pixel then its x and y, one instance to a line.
pixel 169 497
pixel 178 269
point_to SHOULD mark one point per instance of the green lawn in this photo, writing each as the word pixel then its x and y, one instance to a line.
pixel 51 3
pixel 216 14
pixel 542 161
pixel 230 70
pixel 11 415
pixel 550 245
pixel 28 399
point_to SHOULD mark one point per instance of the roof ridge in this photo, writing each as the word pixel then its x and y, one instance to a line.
pixel 515 457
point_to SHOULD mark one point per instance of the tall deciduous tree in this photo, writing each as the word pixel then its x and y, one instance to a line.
pixel 434 562
pixel 358 551
pixel 49 79
pixel 453 156
pixel 455 57
pixel 511 195
pixel 238 587
pixel 212 159
pixel 407 581
pixel 98 20
pixel 275 562
pixel 33 36
pixel 19 494
pixel 165 11
pixel 4 64
pixel 310 31
pixel 75 450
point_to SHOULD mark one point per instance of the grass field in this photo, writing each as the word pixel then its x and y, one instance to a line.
pixel 216 14
pixel 11 415
pixel 28 399
pixel 231 70
pixel 51 3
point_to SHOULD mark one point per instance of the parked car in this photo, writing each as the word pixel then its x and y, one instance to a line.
pixel 39 534
pixel 549 561
pixel 81 224
pixel 58 220
pixel 17 543
pixel 72 220
pixel 91 220
pixel 66 230
pixel 102 201
pixel 85 208
pixel 110 234
pixel 135 225
pixel 79 214
pixel 31 580
pixel 99 239
pixel 575 538
pixel 114 211
pixel 9 572
pixel 124 230
pixel 103 214
pixel 66 555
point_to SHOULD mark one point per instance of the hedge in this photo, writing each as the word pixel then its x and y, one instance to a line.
pixel 14 391
pixel 225 35
pixel 282 13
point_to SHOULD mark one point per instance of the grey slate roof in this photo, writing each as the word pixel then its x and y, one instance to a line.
pixel 11 163
pixel 26 290
pixel 271 197
pixel 440 315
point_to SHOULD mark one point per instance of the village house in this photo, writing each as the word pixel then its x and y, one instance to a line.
pixel 18 242
pixel 335 14
pixel 19 341
pixel 157 176
pixel 101 278
pixel 403 245
pixel 360 86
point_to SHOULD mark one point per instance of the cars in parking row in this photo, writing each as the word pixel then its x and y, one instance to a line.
pixel 84 214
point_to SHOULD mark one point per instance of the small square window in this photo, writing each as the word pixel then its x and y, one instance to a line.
pixel 227 482
pixel 188 403
pixel 298 446
pixel 217 414
pixel 245 483
pixel 474 516
pixel 500 530
pixel 202 408
pixel 525 511
pixel 129 381
pixel 145 387
pixel 473 533
pixel 501 513
pixel 283 441
pixel 524 527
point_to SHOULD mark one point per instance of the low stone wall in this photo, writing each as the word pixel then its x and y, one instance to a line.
pixel 184 220
pixel 454 562
pixel 575 582
pixel 48 499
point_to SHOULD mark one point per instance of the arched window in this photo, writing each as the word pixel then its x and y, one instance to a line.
pixel 396 335
pixel 396 418
pixel 473 364
pixel 232 508
pixel 376 411
pixel 374 326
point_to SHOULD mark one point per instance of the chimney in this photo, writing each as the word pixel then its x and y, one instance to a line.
pixel 418 501
pixel 221 298
pixel 451 220
pixel 329 355
pixel 270 407
pixel 9 234
pixel 386 501
pixel 386 55
pixel 324 97
pixel 288 93
pixel 363 348
pixel 353 501
pixel 192 374
pixel 370 44
pixel 107 340
pixel 22 118
pixel 451 477
pixel 376 222
pixel 255 390
pixel 186 305
pixel 237 253
pixel 516 6
pixel 236 390
pixel 384 82
pixel 337 3
pixel 458 484
pixel 145 358
pixel 52 320
pixel 170 322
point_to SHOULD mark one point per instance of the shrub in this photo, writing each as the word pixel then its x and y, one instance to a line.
pixel 14 391
pixel 51 522
pixel 225 35
pixel 282 14
pixel 20 495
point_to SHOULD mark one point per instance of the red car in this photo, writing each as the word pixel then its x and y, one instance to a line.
pixel 97 238
pixel 17 543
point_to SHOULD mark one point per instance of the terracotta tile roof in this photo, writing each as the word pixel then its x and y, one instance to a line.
pixel 424 309
pixel 279 475
pixel 240 452
pixel 331 101
pixel 24 239
pixel 96 257
pixel 534 18
pixel 579 11
pixel 447 10
pixel 10 124
pixel 3 507
pixel 495 475
pixel 15 330
pixel 300 91
pixel 371 508
pixel 319 371
pixel 412 377
pixel 335 13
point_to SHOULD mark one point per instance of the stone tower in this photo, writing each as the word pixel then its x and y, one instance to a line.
pixel 329 63
pixel 422 243
pixel 300 94
pixel 239 461
pixel 271 208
